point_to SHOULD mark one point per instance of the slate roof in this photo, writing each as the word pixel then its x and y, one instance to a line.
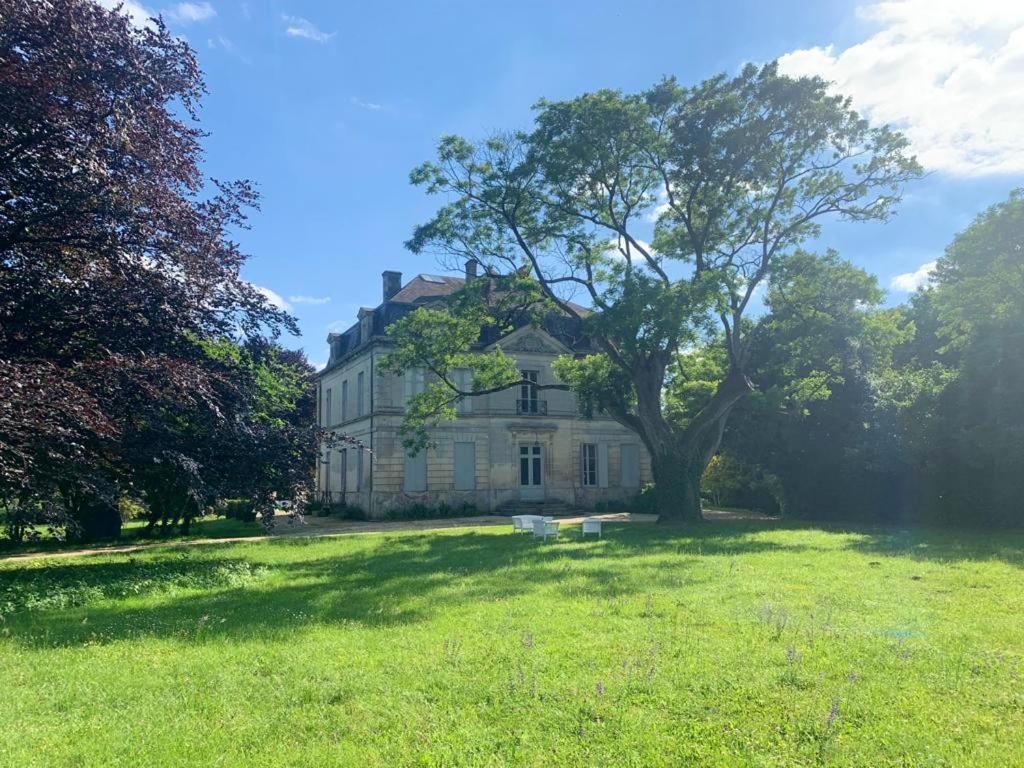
pixel 424 289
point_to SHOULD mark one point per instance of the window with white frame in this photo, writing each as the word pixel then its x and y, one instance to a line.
pixel 360 397
pixel 344 400
pixel 588 464
pixel 359 468
pixel 327 408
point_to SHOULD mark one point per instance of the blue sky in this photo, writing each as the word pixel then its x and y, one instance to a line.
pixel 328 105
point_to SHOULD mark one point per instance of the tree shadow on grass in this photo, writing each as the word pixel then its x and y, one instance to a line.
pixel 386 580
pixel 397 578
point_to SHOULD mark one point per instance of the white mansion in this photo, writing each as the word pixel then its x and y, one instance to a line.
pixel 513 448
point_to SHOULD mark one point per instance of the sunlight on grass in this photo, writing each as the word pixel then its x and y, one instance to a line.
pixel 728 645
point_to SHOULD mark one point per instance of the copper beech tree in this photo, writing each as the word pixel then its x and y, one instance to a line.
pixel 735 173
pixel 120 284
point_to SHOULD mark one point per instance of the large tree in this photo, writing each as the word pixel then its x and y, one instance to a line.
pixel 735 172
pixel 117 264
pixel 959 385
pixel 821 364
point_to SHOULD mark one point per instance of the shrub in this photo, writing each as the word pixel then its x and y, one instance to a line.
pixel 240 509
pixel 420 511
pixel 353 512
pixel 96 519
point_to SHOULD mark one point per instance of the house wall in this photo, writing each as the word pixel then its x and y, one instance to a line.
pixel 494 428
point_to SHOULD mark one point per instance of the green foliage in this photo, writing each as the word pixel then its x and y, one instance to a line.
pixel 822 359
pixel 738 172
pixel 732 482
pixel 426 512
pixel 957 396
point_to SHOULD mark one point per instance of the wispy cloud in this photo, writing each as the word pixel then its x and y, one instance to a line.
pixel 309 299
pixel 137 13
pixel 369 105
pixel 947 72
pixel 273 297
pixel 188 13
pixel 909 282
pixel 618 247
pixel 296 26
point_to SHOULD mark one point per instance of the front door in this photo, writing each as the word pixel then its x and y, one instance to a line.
pixel 531 472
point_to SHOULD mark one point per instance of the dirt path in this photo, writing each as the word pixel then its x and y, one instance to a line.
pixel 327 527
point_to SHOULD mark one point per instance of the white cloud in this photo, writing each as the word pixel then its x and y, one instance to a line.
pixel 370 105
pixel 138 14
pixel 319 365
pixel 274 298
pixel 949 73
pixel 296 26
pixel 187 13
pixel 617 247
pixel 909 282
pixel 309 299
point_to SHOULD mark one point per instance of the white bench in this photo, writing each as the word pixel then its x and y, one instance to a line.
pixel 592 525
pixel 545 527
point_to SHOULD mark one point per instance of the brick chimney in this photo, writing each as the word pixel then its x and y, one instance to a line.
pixel 471 266
pixel 392 283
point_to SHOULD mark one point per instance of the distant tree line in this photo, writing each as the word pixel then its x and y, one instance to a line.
pixel 907 414
pixel 135 362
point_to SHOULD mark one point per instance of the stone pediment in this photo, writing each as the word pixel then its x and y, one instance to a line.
pixel 531 340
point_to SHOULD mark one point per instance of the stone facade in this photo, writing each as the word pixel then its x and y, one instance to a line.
pixel 520 446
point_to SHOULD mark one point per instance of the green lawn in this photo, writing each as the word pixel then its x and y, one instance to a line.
pixel 210 527
pixel 734 644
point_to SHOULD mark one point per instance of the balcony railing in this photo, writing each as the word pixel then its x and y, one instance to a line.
pixel 531 407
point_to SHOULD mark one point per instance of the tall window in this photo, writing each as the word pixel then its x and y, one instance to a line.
pixel 359 468
pixel 464 381
pixel 528 392
pixel 360 400
pixel 588 461
pixel 415 382
pixel 344 400
pixel 327 408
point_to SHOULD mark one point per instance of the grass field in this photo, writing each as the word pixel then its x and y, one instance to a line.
pixel 210 527
pixel 732 644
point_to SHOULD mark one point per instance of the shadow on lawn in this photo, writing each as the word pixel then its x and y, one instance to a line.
pixel 395 579
pixel 385 580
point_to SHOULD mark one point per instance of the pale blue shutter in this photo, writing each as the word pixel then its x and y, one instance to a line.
pixel 630 466
pixel 415 479
pixel 602 465
pixel 465 466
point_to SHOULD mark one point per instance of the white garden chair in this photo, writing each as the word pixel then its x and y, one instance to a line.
pixel 523 522
pixel 544 527
pixel 592 525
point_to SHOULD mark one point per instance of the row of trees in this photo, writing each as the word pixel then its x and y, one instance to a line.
pixel 911 413
pixel 134 359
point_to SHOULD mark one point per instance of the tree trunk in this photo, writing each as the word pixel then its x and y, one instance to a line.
pixel 679 457
pixel 677 486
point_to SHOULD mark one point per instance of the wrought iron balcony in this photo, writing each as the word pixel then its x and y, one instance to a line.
pixel 531 407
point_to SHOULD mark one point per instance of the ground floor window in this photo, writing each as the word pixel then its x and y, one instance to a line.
pixel 530 472
pixel 588 461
